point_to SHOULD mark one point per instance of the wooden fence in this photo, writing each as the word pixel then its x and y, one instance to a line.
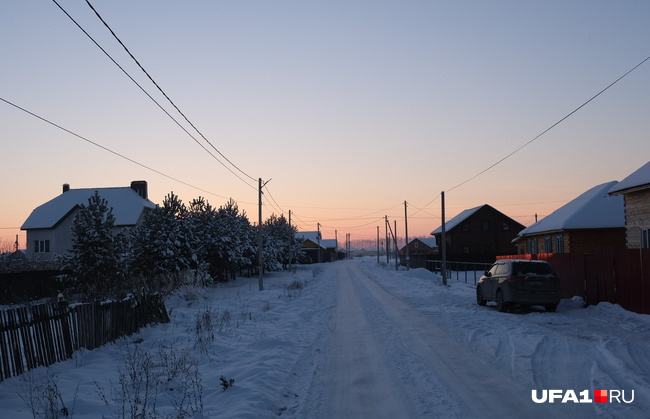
pixel 618 276
pixel 41 335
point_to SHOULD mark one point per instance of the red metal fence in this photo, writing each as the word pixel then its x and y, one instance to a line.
pixel 619 276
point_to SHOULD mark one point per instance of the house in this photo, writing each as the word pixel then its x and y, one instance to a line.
pixel 635 190
pixel 420 250
pixel 479 235
pixel 49 226
pixel 316 248
pixel 591 221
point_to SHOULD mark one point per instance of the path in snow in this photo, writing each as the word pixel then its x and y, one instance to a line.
pixel 383 358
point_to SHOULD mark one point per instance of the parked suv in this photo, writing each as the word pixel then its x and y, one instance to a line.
pixel 515 281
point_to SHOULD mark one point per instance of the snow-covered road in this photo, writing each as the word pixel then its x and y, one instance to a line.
pixel 354 339
pixel 385 359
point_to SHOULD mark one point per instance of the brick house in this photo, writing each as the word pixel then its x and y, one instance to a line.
pixel 591 221
pixel 635 190
pixel 479 235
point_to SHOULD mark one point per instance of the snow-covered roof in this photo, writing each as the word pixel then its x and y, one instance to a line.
pixel 429 241
pixel 457 219
pixel 593 209
pixel 127 206
pixel 329 243
pixel 308 235
pixel 638 179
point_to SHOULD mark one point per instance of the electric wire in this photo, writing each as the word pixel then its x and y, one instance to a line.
pixel 114 152
pixel 148 95
pixel 163 92
pixel 549 128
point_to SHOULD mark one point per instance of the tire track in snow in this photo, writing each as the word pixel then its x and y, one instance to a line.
pixel 476 385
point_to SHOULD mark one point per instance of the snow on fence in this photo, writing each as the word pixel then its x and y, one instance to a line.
pixel 460 270
pixel 41 335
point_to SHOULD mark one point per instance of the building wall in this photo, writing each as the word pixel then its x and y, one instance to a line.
pixel 576 241
pixel 471 236
pixel 637 216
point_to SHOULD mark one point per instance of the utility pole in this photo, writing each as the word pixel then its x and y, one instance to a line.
pixel 336 240
pixel 318 238
pixel 260 265
pixel 387 226
pixel 406 232
pixel 290 252
pixel 443 239
pixel 396 248
pixel 377 244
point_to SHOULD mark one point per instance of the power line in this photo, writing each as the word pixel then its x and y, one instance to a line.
pixel 149 96
pixel 549 128
pixel 113 152
pixel 163 93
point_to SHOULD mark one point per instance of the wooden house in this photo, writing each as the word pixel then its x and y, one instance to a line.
pixel 316 249
pixel 420 250
pixel 479 235
pixel 635 190
pixel 591 221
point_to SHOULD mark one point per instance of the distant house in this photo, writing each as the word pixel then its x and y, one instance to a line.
pixel 635 190
pixel 49 226
pixel 591 221
pixel 420 250
pixel 317 249
pixel 479 235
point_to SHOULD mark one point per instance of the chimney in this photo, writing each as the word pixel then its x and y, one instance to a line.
pixel 140 186
pixel 66 187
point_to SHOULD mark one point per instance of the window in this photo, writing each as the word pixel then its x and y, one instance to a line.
pixel 41 246
pixel 466 249
pixel 486 226
pixel 534 248
pixel 548 244
pixel 415 244
pixel 645 238
pixel 503 269
pixel 529 245
pixel 559 243
pixel 505 226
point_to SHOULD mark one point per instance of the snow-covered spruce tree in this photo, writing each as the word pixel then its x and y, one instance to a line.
pixel 162 243
pixel 239 241
pixel 279 242
pixel 96 259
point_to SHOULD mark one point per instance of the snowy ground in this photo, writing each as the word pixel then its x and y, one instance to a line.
pixel 358 340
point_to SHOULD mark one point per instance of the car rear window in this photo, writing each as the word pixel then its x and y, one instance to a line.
pixel 524 268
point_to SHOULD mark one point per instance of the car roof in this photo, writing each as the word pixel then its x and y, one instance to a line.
pixel 522 260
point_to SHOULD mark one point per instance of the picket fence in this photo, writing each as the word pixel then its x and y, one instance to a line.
pixel 41 335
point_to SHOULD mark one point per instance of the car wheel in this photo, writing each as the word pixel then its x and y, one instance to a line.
pixel 479 297
pixel 550 307
pixel 502 306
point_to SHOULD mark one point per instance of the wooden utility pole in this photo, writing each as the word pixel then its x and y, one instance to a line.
pixel 387 226
pixel 290 253
pixel 406 232
pixel 396 248
pixel 259 238
pixel 377 244
pixel 260 265
pixel 318 238
pixel 443 239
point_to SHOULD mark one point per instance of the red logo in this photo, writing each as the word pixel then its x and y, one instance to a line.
pixel 600 396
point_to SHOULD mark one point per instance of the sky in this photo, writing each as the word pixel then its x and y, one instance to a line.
pixel 346 108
